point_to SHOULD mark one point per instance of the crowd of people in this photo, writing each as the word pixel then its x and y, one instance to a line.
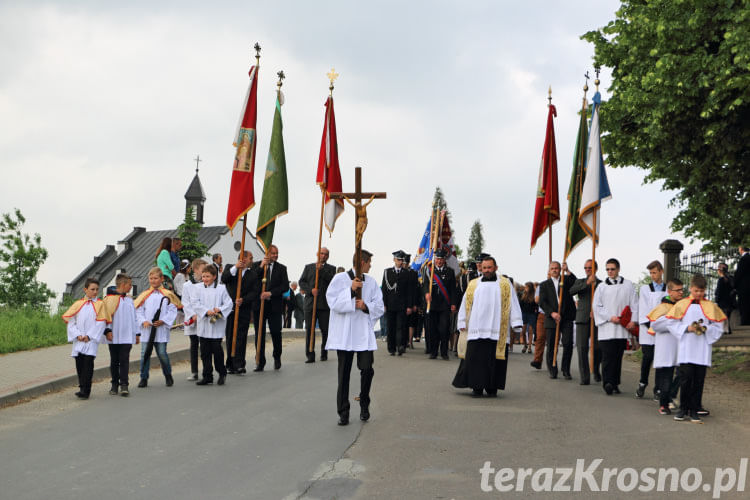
pixel 476 314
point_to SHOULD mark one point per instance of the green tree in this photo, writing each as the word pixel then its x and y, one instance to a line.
pixel 438 200
pixel 188 233
pixel 680 105
pixel 459 251
pixel 21 256
pixel 476 241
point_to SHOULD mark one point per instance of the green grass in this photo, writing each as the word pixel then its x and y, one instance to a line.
pixel 24 329
pixel 733 364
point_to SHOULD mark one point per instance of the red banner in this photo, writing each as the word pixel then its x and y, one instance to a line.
pixel 329 175
pixel 547 208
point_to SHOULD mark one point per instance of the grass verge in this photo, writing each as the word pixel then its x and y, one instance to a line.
pixel 24 329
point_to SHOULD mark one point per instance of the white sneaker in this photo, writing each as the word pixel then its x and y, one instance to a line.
pixel 193 376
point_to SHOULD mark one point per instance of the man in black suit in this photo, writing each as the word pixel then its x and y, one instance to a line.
pixel 398 298
pixel 441 300
pixel 326 272
pixel 582 288
pixel 724 295
pixel 277 283
pixel 742 285
pixel 249 294
pixel 549 292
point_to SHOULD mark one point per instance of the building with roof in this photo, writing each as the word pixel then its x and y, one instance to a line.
pixel 135 254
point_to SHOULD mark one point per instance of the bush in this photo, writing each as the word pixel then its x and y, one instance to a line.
pixel 26 328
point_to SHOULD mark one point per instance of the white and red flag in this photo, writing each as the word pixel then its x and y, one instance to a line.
pixel 329 175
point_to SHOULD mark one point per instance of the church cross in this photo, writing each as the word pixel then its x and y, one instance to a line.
pixel 197 161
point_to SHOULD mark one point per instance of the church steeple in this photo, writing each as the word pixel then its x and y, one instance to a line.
pixel 195 197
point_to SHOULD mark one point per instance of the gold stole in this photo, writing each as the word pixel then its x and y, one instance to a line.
pixel 710 310
pixel 138 302
pixel 78 305
pixel 505 288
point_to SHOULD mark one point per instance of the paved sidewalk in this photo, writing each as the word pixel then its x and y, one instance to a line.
pixel 28 374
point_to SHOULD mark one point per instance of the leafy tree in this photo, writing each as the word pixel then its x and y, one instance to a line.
pixel 459 251
pixel 21 256
pixel 680 107
pixel 188 233
pixel 476 240
pixel 438 200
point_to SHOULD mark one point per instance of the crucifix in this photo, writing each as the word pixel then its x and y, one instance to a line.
pixel 197 161
pixel 360 217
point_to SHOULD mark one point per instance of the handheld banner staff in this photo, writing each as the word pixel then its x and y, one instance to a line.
pixel 242 190
pixel 436 241
pixel 275 200
pixel 329 179
pixel 360 218
pixel 154 327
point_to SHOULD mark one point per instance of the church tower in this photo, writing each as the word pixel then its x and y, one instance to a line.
pixel 195 197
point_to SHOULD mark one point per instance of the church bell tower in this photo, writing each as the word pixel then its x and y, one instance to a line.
pixel 195 197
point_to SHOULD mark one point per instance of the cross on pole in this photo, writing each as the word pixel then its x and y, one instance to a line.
pixel 197 161
pixel 360 216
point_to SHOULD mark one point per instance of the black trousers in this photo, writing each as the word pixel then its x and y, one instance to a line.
pixel 119 363
pixel 583 341
pixel 243 325
pixel 692 377
pixel 211 348
pixel 743 304
pixel 273 322
pixel 439 332
pixel 667 383
pixel 194 353
pixel 396 321
pixel 321 318
pixel 566 335
pixel 646 362
pixel 85 371
pixel 612 352
pixel 365 361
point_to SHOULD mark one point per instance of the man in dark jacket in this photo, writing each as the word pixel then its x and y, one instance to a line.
pixel 277 283
pixel 398 298
pixel 582 288
pixel 441 301
pixel 249 295
pixel 326 272
pixel 549 292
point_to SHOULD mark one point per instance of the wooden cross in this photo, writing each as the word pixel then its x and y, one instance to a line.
pixel 360 216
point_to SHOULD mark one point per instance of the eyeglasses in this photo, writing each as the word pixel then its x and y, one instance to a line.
pixel 611 269
pixel 676 290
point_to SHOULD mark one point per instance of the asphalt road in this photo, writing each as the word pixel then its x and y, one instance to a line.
pixel 274 435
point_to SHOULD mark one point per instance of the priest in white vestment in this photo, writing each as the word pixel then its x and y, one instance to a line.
pixel 351 330
pixel 489 312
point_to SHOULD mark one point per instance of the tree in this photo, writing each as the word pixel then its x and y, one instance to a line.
pixel 188 233
pixel 680 106
pixel 438 200
pixel 476 241
pixel 459 251
pixel 21 256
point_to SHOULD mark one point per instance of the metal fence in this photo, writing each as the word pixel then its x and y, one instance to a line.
pixel 706 264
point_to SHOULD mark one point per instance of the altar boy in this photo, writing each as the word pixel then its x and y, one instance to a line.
pixel 156 298
pixel 191 327
pixel 648 298
pixel 122 331
pixel 697 324
pixel 212 304
pixel 665 346
pixel 85 329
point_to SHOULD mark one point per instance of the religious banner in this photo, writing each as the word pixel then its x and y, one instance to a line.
pixel 241 190
pixel 574 233
pixel 424 251
pixel 595 186
pixel 329 175
pixel 547 207
pixel 275 200
pixel 448 244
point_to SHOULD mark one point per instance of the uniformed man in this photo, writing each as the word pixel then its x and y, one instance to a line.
pixel 441 300
pixel 398 300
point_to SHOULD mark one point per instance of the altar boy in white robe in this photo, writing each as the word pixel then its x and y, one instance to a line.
pixel 211 304
pixel 649 297
pixel 85 329
pixel 351 330
pixel 122 331
pixel 665 346
pixel 610 301
pixel 489 312
pixel 697 324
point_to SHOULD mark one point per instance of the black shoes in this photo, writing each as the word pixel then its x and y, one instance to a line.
pixel 232 371
pixel 170 380
pixel 585 382
pixel 113 390
pixel 567 376
pixel 241 371
pixel 143 382
pixel 694 418
pixel 364 414
pixel 258 369
pixel 491 394
pixel 344 420
pixel 276 364
pixel 310 361
pixel 81 395
pixel 324 356
pixel 597 377
pixel 703 412
pixel 221 380
pixel 445 357
pixel 609 388
pixel 536 364
pixel 124 392
pixel 433 356
pixel 204 381
pixel 553 373
pixel 476 394
pixel 641 390
pixel 681 415
pixel 616 390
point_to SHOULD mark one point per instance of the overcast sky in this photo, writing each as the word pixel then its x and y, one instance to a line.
pixel 104 105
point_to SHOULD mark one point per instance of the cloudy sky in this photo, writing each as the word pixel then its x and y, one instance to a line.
pixel 104 105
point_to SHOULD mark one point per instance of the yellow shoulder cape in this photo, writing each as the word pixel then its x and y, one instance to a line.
pixel 657 312
pixel 110 303
pixel 710 310
pixel 78 304
pixel 167 293
pixel 505 289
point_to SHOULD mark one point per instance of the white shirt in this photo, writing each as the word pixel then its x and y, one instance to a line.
pixel 647 301
pixel 486 311
pixel 146 313
pixel 350 329
pixel 694 348
pixel 610 300
pixel 188 299
pixel 206 298
pixel 665 344
pixel 84 323
pixel 124 325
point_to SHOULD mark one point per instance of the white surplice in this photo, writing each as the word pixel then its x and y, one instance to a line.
pixel 610 300
pixel 647 301
pixel 485 316
pixel 146 313
pixel 125 324
pixel 350 329
pixel 206 298
pixel 84 322
pixel 694 348
pixel 188 301
pixel 665 344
